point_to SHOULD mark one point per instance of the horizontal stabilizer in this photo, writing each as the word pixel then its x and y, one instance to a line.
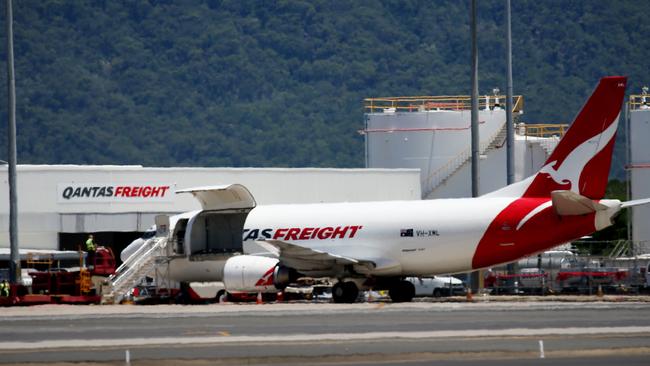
pixel 567 203
pixel 643 201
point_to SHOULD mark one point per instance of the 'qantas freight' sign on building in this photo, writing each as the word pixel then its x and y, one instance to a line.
pixel 98 192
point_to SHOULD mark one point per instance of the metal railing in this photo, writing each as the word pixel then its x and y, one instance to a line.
pixel 434 103
pixel 639 101
pixel 542 129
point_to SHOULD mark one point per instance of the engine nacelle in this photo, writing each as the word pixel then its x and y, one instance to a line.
pixel 248 273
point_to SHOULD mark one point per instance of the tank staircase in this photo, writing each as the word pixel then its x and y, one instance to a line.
pixel 139 265
pixel 549 144
pixel 446 171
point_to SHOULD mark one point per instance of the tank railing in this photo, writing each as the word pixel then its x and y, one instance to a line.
pixel 542 129
pixel 440 175
pixel 639 101
pixel 438 103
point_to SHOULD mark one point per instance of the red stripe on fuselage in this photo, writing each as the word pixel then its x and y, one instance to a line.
pixel 503 242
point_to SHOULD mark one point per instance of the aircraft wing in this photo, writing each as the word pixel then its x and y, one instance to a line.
pixel 325 261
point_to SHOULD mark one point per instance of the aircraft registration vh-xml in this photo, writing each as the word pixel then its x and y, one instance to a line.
pixel 377 244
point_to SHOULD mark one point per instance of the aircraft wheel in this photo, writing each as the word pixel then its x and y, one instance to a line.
pixel 345 292
pixel 217 297
pixel 338 292
pixel 352 291
pixel 402 291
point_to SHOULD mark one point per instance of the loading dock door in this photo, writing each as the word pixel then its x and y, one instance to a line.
pixel 115 240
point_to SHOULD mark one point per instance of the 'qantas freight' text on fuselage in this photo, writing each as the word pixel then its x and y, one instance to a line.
pixel 305 233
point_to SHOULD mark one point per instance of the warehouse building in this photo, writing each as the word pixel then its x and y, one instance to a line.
pixel 59 205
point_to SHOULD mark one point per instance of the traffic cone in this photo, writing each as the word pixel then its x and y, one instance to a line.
pixel 280 296
pixel 259 298
pixel 469 294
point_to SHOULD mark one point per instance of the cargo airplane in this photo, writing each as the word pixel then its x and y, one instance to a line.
pixel 378 244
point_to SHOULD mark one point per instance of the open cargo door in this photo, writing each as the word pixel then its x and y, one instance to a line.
pixel 222 197
pixel 217 229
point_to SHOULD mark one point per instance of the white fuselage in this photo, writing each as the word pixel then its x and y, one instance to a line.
pixel 424 237
pixel 414 237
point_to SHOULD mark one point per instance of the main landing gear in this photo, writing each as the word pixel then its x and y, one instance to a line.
pixel 345 292
pixel 402 291
pixel 398 290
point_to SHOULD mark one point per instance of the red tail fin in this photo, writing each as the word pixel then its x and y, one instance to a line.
pixel 581 161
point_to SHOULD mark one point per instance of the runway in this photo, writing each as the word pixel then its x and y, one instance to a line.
pixel 431 333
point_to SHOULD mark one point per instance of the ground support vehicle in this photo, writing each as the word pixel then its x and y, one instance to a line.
pixel 528 281
pixel 591 280
pixel 438 286
pixel 51 283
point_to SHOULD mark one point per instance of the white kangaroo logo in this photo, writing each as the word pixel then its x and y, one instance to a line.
pixel 571 168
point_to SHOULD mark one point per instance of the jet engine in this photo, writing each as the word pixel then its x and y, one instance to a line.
pixel 249 273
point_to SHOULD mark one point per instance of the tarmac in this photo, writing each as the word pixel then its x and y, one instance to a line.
pixel 495 330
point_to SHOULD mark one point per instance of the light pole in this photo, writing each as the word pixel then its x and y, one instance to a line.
pixel 510 139
pixel 474 278
pixel 14 263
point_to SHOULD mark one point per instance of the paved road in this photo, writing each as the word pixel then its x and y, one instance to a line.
pixel 418 333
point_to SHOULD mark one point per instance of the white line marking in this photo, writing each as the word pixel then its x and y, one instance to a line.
pixel 270 338
pixel 541 348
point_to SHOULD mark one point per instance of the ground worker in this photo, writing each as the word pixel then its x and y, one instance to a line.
pixel 90 248
pixel 5 288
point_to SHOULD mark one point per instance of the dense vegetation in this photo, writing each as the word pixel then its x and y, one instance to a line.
pixel 280 83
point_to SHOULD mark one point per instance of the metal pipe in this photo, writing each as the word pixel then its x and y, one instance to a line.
pixel 510 130
pixel 474 278
pixel 628 167
pixel 475 133
pixel 14 263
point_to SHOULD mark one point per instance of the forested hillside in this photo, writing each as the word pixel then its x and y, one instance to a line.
pixel 281 83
